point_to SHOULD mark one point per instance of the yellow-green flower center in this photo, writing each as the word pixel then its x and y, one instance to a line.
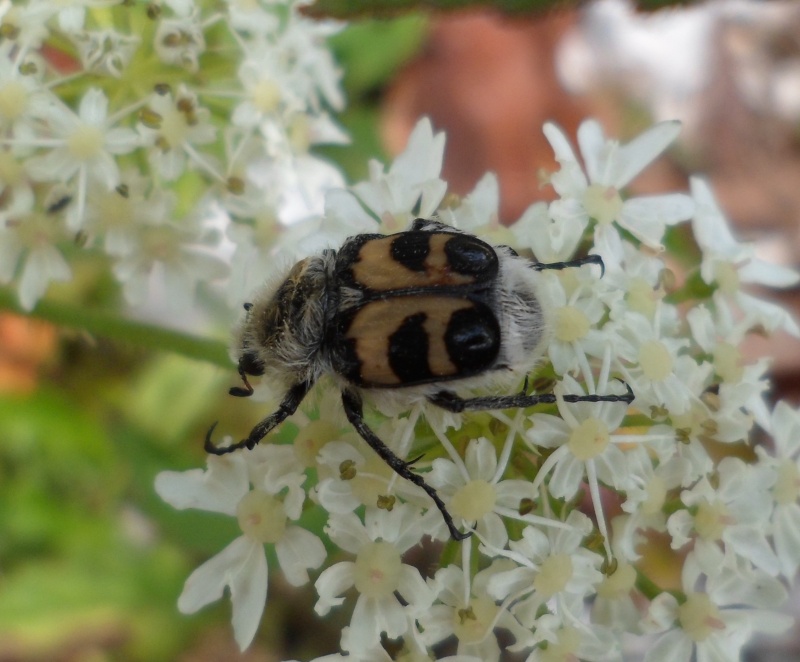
pixel 655 360
pixel 727 276
pixel 310 440
pixel 602 203
pixel 474 500
pixel 86 142
pixel 378 567
pixel 160 243
pixel 589 439
pixel 570 324
pixel 554 574
pixel 728 362
pixel 13 100
pixel 619 584
pixel 711 520
pixel 656 491
pixel 787 486
pixel 472 623
pixel 266 96
pixel 11 170
pixel 642 298
pixel 174 128
pixel 699 617
pixel 565 649
pixel 261 516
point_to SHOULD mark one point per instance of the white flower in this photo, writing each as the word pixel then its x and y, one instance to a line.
pixel 649 361
pixel 83 148
pixel 715 623
pixel 476 495
pixel 22 96
pixel 174 253
pixel 30 236
pixel 584 441
pixel 466 611
pixel 180 41
pixel 263 514
pixel 569 639
pixel 785 525
pixel 173 126
pixel 551 239
pixel 610 167
pixel 728 263
pixel 377 573
pixel 734 515
pixel 574 312
pixel 554 568
pixel 412 186
pixel 477 212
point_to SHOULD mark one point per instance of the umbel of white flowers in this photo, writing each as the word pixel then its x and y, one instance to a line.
pixel 514 477
pixel 150 151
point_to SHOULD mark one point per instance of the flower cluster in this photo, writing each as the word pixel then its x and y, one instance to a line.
pixel 680 464
pixel 130 129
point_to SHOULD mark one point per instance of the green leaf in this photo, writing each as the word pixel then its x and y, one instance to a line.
pixel 351 9
pixel 110 324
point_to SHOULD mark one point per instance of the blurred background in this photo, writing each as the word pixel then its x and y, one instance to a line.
pixel 91 562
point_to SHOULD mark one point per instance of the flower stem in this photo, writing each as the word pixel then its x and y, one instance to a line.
pixel 111 325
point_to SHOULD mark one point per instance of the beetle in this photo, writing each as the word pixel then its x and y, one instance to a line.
pixel 416 314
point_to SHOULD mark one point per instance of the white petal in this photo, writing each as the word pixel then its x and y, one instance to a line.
pixel 749 542
pixel 493 530
pixel 595 150
pixel 766 273
pixel 674 646
pixel 372 616
pixel 636 155
pixel 786 533
pixel 248 596
pixel 332 583
pixel 93 107
pixel 218 489
pixel 646 217
pixel 43 265
pixel 414 589
pixel 481 459
pixel 567 477
pixel 298 551
pixel 243 567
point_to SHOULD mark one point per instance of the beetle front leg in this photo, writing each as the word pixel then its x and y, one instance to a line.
pixel 288 406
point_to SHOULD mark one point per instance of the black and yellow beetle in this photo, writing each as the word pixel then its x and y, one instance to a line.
pixel 416 312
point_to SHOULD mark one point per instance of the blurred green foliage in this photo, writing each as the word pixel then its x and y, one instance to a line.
pixel 91 561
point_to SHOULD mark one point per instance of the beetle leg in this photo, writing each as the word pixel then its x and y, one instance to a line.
pixel 353 408
pixel 288 406
pixel 452 402
pixel 589 259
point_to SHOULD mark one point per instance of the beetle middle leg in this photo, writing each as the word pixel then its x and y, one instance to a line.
pixel 353 408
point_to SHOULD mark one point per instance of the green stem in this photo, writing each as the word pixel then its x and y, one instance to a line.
pixel 111 325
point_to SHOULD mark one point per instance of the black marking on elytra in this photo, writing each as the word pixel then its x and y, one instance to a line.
pixel 473 339
pixel 408 350
pixel 470 256
pixel 411 249
pixel 348 255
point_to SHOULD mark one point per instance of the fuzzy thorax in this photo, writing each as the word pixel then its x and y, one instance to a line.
pixel 283 330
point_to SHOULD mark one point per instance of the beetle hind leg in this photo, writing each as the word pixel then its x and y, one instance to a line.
pixel 452 402
pixel 353 408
